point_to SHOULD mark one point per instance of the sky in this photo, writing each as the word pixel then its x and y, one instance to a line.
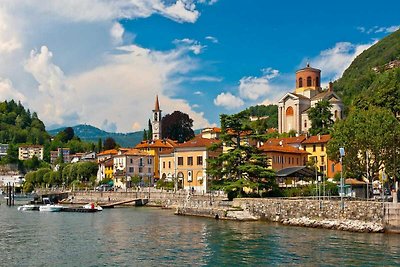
pixel 102 62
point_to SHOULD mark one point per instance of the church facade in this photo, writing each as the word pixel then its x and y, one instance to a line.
pixel 293 106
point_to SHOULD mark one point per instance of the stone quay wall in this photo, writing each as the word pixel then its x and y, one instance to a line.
pixel 360 216
pixel 165 199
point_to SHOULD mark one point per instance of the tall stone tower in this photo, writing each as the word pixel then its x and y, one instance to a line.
pixel 156 122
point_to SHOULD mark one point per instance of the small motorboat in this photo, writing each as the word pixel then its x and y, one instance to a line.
pixel 93 206
pixel 49 206
pixel 28 207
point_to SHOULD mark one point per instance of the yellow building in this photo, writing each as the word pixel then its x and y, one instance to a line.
pixel 186 164
pixel 316 145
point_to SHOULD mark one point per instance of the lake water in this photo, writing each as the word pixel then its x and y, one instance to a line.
pixel 155 237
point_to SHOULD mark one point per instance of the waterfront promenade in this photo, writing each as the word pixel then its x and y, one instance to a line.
pixel 357 215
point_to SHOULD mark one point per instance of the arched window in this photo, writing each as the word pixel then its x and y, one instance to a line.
pixel 317 81
pixel 305 124
pixel 336 114
pixel 289 111
pixel 308 81
pixel 300 82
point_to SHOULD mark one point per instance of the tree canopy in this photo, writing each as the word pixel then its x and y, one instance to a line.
pixel 242 165
pixel 177 126
pixel 321 118
pixel 375 132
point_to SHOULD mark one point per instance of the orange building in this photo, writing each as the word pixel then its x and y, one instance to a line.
pixel 186 163
pixel 284 156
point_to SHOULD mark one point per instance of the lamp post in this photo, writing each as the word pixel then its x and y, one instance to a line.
pixel 342 153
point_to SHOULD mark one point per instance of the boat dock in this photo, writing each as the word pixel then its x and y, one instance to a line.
pixel 138 202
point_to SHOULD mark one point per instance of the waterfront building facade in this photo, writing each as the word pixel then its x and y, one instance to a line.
pixel 293 106
pixel 284 156
pixel 65 152
pixel 186 164
pixel 28 151
pixel 316 145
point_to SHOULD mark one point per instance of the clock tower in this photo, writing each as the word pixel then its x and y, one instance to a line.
pixel 156 122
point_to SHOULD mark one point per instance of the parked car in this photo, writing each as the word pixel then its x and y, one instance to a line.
pixel 104 187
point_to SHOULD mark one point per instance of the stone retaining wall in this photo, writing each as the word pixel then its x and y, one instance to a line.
pixel 277 209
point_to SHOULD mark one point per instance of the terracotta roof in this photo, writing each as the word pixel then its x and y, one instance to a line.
pixel 166 152
pixel 108 152
pixel 32 146
pixel 286 140
pixel 317 139
pixel 308 68
pixel 198 141
pixel 135 152
pixel 167 143
pixel 282 149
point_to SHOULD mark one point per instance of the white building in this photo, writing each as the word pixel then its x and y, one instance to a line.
pixel 293 107
pixel 28 151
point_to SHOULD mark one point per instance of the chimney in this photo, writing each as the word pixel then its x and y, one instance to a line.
pixel 330 88
pixel 319 137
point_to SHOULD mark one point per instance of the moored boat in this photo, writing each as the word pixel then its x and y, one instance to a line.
pixel 93 206
pixel 28 207
pixel 49 206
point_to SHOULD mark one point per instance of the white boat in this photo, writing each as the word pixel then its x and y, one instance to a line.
pixel 28 207
pixel 49 206
pixel 92 206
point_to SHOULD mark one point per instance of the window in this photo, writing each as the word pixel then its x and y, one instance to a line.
pixel 163 164
pixel 289 111
pixel 322 159
pixel 314 148
pixel 336 114
pixel 169 164
pixel 305 147
pixel 300 82
pixel 322 147
pixel 140 169
pixel 317 81
pixel 130 169
pixel 141 162
pixel 149 161
pixel 199 160
pixel 308 81
pixel 180 160
pixel 297 161
pixel 149 170
pixel 190 161
pixel 131 161
pixel 305 123
pixel 333 167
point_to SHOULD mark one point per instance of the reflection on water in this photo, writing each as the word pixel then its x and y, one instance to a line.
pixel 153 237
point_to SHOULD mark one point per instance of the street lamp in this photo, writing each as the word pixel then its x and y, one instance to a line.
pixel 342 154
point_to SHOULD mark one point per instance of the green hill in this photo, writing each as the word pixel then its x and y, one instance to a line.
pixel 92 134
pixel 368 67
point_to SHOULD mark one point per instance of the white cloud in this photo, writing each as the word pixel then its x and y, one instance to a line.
pixel 99 10
pixel 83 79
pixel 228 101
pixel 117 33
pixel 192 45
pixel 8 92
pixel 198 93
pixel 212 39
pixel 254 87
pixel 206 79
pixel 377 29
pixel 208 2
pixel 9 40
pixel 334 61
pixel 56 100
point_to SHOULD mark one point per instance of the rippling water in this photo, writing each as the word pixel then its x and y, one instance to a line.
pixel 154 237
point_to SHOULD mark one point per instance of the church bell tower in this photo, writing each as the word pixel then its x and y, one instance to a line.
pixel 156 122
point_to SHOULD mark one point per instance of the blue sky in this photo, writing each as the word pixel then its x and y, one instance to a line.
pixel 102 62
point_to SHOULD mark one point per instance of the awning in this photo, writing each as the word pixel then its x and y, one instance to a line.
pixel 298 171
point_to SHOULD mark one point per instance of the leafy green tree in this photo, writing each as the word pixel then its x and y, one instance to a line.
pixel 242 165
pixel 373 131
pixel 177 126
pixel 321 118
